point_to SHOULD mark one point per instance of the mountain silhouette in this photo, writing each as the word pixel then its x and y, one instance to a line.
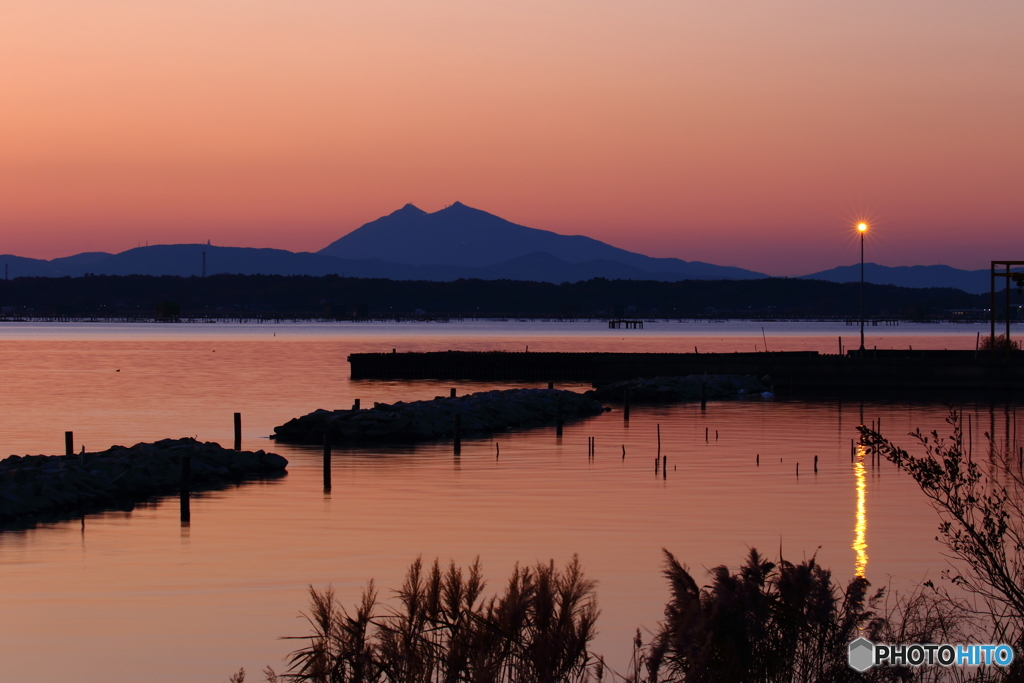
pixel 973 281
pixel 455 242
pixel 459 235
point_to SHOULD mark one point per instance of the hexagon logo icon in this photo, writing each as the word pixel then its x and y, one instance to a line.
pixel 861 654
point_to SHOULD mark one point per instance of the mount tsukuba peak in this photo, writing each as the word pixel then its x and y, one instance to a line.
pixel 462 236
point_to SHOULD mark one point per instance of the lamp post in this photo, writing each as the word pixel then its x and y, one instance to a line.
pixel 862 228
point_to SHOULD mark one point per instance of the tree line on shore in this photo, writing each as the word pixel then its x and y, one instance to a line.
pixel 334 296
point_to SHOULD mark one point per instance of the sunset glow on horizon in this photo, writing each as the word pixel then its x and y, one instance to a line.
pixel 736 133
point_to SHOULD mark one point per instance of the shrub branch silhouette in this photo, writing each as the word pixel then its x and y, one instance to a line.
pixel 981 510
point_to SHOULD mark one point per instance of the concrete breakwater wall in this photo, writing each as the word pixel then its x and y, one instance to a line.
pixel 689 388
pixel 39 484
pixel 482 412
pixel 874 370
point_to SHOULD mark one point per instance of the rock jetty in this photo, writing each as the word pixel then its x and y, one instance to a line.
pixel 674 389
pixel 486 411
pixel 42 484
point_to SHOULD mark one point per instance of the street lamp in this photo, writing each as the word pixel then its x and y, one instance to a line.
pixel 862 228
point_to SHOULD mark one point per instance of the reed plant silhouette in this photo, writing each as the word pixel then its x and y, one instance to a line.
pixel 779 621
pixel 536 631
pixel 770 621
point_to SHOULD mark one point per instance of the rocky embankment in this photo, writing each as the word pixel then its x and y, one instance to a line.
pixel 41 484
pixel 483 412
pixel 688 388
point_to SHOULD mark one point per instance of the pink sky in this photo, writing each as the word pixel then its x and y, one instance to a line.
pixel 741 133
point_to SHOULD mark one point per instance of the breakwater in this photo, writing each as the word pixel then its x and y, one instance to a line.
pixel 810 370
pixel 40 484
pixel 482 412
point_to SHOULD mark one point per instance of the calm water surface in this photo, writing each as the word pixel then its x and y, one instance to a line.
pixel 134 596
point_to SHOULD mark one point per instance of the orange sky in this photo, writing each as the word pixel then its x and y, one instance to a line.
pixel 741 133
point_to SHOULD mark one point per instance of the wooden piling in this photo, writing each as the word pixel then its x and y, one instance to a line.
pixel 758 461
pixel 69 444
pixel 185 484
pixel 706 435
pixel 624 451
pixel 458 434
pixel 798 469
pixel 355 406
pixel 327 461
pixel 815 464
pixel 664 467
pixel 497 450
pixel 657 463
pixel 238 431
pixel 559 422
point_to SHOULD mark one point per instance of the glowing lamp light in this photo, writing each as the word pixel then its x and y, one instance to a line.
pixel 862 227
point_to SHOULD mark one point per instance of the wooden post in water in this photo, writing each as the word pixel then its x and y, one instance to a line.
pixel 238 431
pixel 664 467
pixel 625 405
pixel 558 416
pixel 458 434
pixel 624 451
pixel 355 406
pixel 327 461
pixel 69 443
pixel 815 464
pixel 186 474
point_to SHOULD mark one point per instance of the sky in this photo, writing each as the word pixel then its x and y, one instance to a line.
pixel 747 133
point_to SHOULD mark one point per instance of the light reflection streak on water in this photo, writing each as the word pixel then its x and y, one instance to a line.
pixel 860 527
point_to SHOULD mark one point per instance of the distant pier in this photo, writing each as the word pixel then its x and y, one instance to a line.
pixel 799 370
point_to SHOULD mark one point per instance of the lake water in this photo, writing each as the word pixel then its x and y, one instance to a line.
pixel 134 596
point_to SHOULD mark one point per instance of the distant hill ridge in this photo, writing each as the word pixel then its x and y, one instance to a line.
pixel 455 242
